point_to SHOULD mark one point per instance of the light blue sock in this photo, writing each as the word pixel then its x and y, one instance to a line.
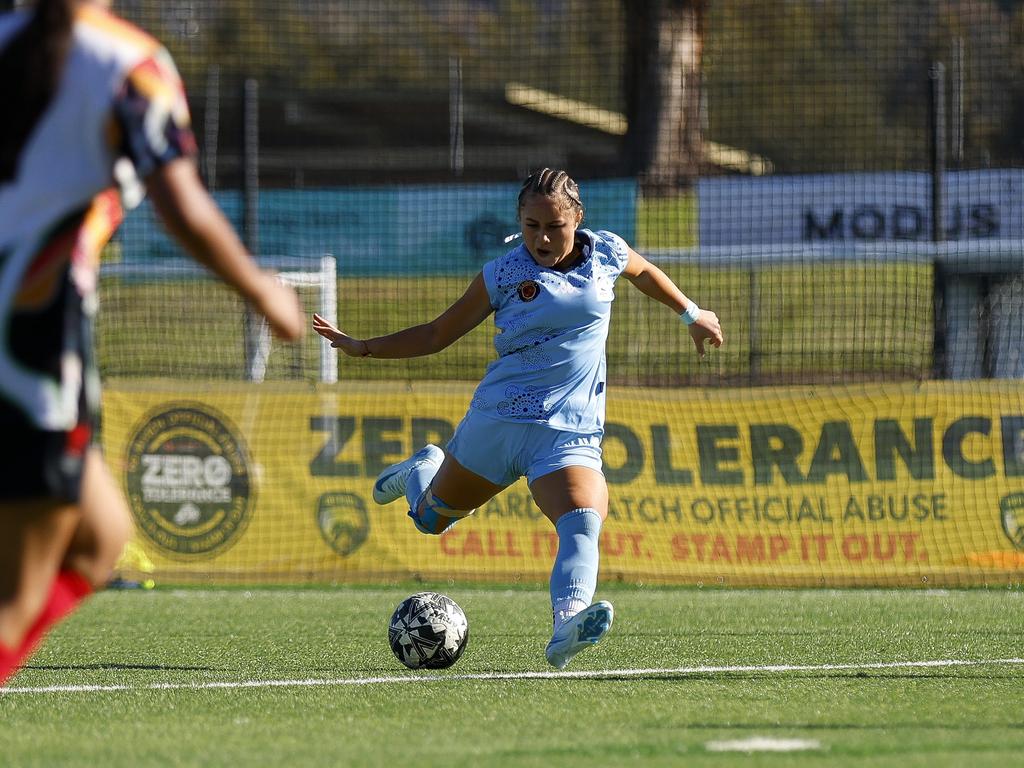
pixel 574 576
pixel 418 481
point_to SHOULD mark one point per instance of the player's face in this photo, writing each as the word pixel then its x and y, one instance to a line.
pixel 548 230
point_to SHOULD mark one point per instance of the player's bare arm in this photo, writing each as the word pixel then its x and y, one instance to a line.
pixel 471 309
pixel 193 218
pixel 651 281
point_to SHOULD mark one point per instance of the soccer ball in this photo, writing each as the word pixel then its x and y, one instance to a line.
pixel 428 631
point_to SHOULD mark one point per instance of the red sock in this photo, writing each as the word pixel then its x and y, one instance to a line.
pixel 68 590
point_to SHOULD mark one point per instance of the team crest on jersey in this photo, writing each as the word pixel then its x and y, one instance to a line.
pixel 528 290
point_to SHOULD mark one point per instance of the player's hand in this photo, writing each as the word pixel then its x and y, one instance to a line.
pixel 279 303
pixel 707 328
pixel 339 339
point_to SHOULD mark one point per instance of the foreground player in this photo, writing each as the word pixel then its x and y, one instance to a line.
pixel 539 410
pixel 88 100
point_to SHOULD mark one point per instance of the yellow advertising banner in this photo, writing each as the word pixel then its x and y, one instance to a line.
pixel 896 484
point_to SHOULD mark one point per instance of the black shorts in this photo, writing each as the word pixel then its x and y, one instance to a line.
pixel 36 464
pixel 48 343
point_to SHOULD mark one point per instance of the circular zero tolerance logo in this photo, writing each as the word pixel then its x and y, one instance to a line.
pixel 188 480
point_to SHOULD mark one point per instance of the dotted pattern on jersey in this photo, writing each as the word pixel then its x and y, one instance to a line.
pixel 527 347
pixel 607 261
pixel 534 356
pixel 523 403
pixel 512 269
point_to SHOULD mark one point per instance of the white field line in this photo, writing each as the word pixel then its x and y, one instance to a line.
pixel 762 744
pixel 444 678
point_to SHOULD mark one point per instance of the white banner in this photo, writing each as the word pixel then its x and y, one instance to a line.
pixel 859 208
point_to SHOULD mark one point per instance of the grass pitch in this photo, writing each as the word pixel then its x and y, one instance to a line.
pixel 687 676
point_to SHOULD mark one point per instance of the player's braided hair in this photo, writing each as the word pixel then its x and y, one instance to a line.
pixel 557 185
pixel 31 65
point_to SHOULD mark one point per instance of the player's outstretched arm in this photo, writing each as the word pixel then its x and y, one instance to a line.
pixel 471 309
pixel 193 218
pixel 339 339
pixel 659 286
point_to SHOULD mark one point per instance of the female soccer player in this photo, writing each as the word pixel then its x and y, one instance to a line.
pixel 539 410
pixel 92 106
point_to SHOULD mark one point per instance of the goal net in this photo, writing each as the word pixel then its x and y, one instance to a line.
pixel 842 183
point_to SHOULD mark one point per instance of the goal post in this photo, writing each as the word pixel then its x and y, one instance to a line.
pixel 144 329
pixel 259 340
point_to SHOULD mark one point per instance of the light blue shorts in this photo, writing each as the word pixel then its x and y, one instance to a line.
pixel 504 451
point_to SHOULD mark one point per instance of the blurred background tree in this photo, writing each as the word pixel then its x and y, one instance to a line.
pixel 812 85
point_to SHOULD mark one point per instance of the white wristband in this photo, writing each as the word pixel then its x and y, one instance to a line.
pixel 691 315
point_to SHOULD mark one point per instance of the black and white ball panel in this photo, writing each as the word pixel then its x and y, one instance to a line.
pixel 428 630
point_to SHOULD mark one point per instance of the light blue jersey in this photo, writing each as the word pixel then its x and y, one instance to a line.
pixel 552 328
